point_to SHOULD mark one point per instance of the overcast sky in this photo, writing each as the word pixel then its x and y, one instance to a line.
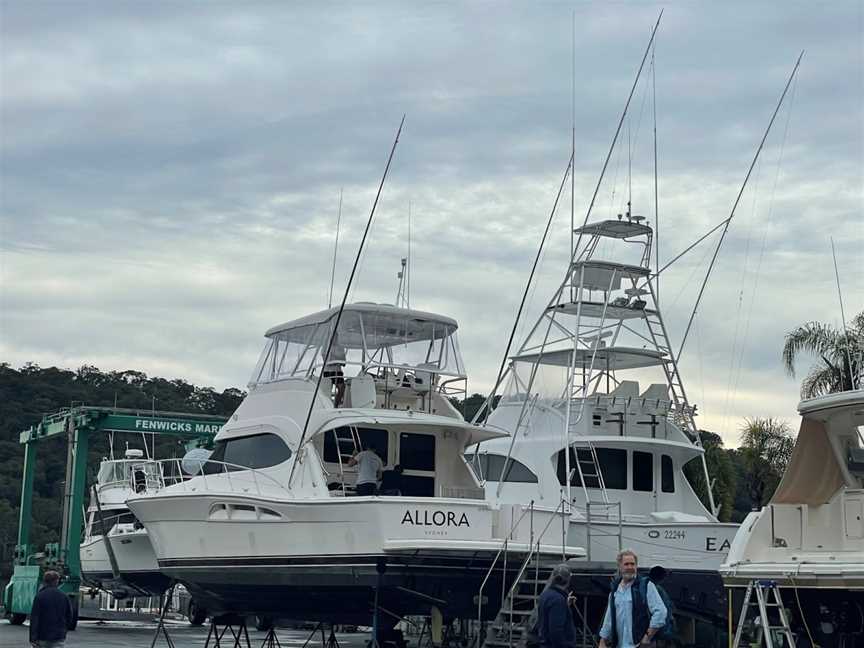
pixel 171 173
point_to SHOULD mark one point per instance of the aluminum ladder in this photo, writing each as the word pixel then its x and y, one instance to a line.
pixel 764 590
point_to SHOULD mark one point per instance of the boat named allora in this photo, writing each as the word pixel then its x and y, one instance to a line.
pixel 373 496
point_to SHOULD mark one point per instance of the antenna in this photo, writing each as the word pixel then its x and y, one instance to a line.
pixel 408 260
pixel 335 250
pixel 656 187
pixel 843 316
pixel 400 291
pixel 617 132
pixel 573 142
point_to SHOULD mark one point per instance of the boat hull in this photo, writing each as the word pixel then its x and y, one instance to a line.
pixel 136 562
pixel 324 559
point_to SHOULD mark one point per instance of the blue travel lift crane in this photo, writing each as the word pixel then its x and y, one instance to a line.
pixel 77 424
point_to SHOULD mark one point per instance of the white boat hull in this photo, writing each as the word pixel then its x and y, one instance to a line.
pixel 323 559
pixel 136 562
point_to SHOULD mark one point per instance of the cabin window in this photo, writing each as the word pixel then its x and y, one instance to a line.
pixel 585 465
pixel 255 451
pixel 667 477
pixel 613 465
pixel 417 486
pixel 643 471
pixel 347 439
pixel 491 465
pixel 417 451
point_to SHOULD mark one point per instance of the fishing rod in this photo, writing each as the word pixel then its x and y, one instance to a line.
pixel 487 404
pixel 728 221
pixel 344 299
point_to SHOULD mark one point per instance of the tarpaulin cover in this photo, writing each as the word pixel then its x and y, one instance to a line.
pixel 813 474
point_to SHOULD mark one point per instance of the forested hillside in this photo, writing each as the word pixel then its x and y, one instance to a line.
pixel 26 394
pixel 745 477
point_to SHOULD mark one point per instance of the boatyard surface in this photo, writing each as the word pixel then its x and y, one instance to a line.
pixel 93 634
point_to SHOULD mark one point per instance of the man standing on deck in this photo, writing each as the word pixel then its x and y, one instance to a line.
pixel 635 611
pixel 368 472
pixel 51 614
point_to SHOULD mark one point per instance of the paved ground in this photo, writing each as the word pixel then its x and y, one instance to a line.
pixel 117 634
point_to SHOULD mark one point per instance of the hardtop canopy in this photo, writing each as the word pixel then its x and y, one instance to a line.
pixel 390 324
pixel 369 337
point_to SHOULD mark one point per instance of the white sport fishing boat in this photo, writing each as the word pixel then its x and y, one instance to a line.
pixel 135 571
pixel 574 384
pixel 809 539
pixel 274 526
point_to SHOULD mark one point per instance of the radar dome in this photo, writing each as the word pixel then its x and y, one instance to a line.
pixel 194 460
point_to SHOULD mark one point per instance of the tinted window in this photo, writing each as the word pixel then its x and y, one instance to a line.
pixel 561 470
pixel 643 471
pixel 347 440
pixel 416 451
pixel 613 465
pixel 491 466
pixel 415 486
pixel 667 477
pixel 256 451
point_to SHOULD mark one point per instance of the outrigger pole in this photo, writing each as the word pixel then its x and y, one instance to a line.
pixel 728 221
pixel 344 299
pixel 487 404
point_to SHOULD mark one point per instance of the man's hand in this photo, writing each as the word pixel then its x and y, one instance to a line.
pixel 646 641
pixel 602 643
pixel 571 600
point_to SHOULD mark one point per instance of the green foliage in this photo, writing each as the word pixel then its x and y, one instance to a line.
pixel 839 353
pixel 721 470
pixel 28 393
pixel 766 446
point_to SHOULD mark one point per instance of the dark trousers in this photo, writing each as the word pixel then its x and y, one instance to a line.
pixel 367 489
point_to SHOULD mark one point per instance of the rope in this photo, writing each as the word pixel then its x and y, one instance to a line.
pixel 801 613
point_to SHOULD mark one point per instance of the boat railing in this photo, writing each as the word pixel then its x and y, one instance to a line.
pixel 224 475
pixel 108 524
pixel 533 552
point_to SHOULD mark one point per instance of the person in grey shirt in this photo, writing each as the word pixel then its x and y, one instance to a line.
pixel 369 471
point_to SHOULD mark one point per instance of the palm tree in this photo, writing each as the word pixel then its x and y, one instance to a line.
pixel 840 352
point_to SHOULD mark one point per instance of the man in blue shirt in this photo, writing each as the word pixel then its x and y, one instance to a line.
pixel 636 618
pixel 50 615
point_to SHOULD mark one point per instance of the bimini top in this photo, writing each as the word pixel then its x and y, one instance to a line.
pixel 400 323
pixel 370 338
pixel 615 229
pixel 611 358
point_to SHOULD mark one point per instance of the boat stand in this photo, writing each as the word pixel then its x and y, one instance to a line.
pixel 164 601
pixel 330 642
pixel 240 634
pixel 272 641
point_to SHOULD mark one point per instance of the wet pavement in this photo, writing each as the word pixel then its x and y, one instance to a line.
pixel 120 634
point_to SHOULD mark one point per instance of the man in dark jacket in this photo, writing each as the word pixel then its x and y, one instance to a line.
pixel 554 622
pixel 51 615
